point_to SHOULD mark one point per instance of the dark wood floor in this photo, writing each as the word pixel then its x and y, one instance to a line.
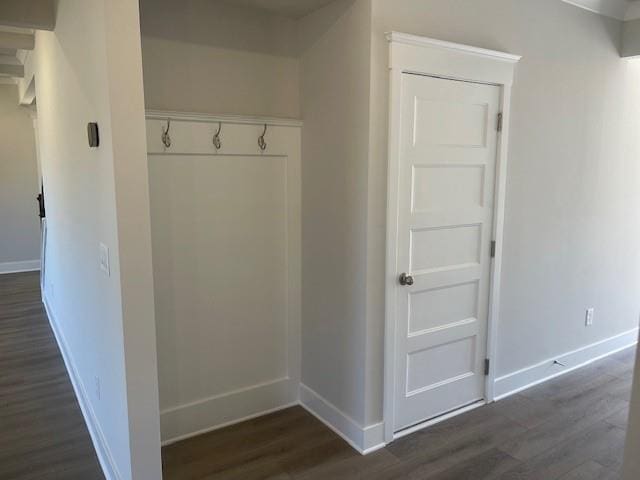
pixel 571 428
pixel 42 432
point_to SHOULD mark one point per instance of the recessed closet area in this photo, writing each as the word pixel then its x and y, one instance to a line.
pixel 249 205
pixel 333 221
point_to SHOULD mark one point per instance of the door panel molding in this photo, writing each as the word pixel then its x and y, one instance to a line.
pixel 410 54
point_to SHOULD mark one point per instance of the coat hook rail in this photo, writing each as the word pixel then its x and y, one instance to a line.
pixel 216 137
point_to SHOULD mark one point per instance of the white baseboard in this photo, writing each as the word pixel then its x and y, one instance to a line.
pixel 103 452
pixel 18 267
pixel 206 415
pixel 528 377
pixel 364 439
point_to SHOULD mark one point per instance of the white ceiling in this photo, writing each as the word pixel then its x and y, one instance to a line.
pixel 620 9
pixel 289 8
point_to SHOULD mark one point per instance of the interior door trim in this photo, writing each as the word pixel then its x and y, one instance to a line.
pixel 409 54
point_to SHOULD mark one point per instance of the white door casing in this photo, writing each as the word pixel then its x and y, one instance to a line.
pixel 456 85
pixel 446 185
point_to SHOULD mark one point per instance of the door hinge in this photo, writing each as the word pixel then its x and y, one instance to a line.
pixel 499 126
pixel 487 365
pixel 493 249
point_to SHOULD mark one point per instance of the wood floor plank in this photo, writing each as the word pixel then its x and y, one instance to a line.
pixel 437 453
pixel 571 428
pixel 619 418
pixel 567 429
pixel 587 471
pixel 42 433
pixel 477 422
pixel 564 424
pixel 225 460
pixel 528 412
pixel 561 459
pixel 489 465
pixel 355 467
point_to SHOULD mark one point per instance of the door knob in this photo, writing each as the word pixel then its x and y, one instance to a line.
pixel 406 280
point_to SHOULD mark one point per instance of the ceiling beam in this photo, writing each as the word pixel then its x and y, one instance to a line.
pixel 9 70
pixel 17 41
pixel 36 14
pixel 9 60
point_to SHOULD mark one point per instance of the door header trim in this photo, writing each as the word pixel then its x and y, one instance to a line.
pixel 416 40
pixel 415 54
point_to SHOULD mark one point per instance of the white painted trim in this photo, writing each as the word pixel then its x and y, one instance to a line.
pixel 409 53
pixel 213 118
pixel 408 39
pixel 389 382
pixel 191 134
pixel 227 424
pixel 500 196
pixel 218 411
pixel 363 439
pixel 18 267
pixel 239 136
pixel 515 382
pixel 105 457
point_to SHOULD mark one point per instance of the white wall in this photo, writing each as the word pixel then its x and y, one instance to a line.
pixel 226 258
pixel 573 187
pixel 20 231
pixel 573 183
pixel 213 57
pixel 335 109
pixel 209 56
pixel 90 70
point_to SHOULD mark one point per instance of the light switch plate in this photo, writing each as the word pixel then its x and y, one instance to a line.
pixel 104 260
pixel 588 321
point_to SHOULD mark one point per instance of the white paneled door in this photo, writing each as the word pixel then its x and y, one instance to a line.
pixel 449 132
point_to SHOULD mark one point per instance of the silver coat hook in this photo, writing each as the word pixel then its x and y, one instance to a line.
pixel 261 143
pixel 166 139
pixel 216 137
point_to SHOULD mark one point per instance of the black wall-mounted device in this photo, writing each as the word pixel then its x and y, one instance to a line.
pixel 93 135
pixel 40 197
